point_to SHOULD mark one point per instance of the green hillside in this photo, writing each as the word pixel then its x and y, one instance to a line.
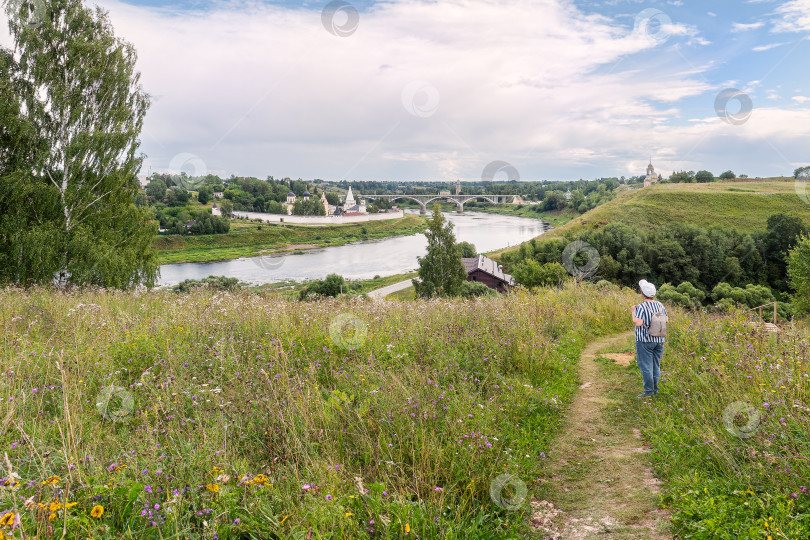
pixel 744 206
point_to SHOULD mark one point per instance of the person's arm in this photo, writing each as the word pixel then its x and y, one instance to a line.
pixel 636 320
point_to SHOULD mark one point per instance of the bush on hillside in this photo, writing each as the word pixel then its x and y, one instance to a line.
pixel 219 283
pixel 685 294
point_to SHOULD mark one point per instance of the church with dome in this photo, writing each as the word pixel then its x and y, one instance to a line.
pixel 652 176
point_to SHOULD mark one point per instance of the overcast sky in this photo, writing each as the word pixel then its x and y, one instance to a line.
pixel 420 90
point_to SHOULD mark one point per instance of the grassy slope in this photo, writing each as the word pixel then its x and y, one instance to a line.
pixel 247 239
pixel 420 404
pixel 744 206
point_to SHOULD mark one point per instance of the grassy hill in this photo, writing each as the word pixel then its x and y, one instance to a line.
pixel 741 205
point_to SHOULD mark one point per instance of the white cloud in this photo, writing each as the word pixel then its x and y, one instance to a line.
pixel 768 47
pixel 800 99
pixel 795 16
pixel 741 27
pixel 260 89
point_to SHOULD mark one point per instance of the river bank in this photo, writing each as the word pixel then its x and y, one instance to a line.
pixel 248 239
pixel 357 260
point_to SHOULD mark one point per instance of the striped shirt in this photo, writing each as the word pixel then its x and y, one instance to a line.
pixel 645 311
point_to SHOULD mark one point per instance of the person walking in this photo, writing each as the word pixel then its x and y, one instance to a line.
pixel 650 318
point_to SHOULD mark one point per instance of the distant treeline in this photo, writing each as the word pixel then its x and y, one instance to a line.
pixel 678 254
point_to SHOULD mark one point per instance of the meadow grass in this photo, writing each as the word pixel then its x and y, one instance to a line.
pixel 730 429
pixel 217 415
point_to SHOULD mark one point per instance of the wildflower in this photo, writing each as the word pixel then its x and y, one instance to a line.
pixel 52 516
pixel 70 505
pixel 51 481
pixel 260 480
pixel 213 488
pixel 54 506
pixel 438 489
pixel 147 488
pixel 328 497
pixel 7 520
pixel 407 528
pixel 97 511
pixel 349 514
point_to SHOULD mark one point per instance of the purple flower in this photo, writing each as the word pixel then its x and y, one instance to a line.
pixel 328 497
pixel 147 488
pixel 437 489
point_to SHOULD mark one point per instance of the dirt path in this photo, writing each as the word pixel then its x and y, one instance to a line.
pixel 599 483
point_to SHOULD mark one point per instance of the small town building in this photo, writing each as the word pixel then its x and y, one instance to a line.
pixel 219 195
pixel 486 271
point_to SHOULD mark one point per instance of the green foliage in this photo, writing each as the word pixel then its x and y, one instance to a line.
pixel 473 289
pixel 190 220
pixel 156 189
pixel 466 249
pixel 687 177
pixel 751 296
pixel 226 208
pixel 441 272
pixel 332 285
pixel 205 194
pixel 531 273
pixel 802 172
pixel 72 109
pixel 678 254
pixel 728 175
pixel 311 207
pixel 685 295
pixel 218 283
pixel 798 270
pixel 703 177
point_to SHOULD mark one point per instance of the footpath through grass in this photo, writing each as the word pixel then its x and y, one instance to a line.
pixel 211 415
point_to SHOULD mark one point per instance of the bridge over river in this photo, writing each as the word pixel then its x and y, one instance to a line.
pixel 424 200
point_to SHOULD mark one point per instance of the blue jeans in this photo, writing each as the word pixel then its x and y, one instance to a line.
pixel 648 358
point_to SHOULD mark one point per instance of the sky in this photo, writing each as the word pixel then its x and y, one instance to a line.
pixel 411 90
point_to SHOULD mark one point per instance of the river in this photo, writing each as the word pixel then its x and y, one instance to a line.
pixel 361 260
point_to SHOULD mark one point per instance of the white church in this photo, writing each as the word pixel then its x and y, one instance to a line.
pixel 351 207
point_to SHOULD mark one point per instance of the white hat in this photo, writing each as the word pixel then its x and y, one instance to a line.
pixel 647 288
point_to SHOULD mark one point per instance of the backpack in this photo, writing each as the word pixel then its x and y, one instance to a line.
pixel 658 325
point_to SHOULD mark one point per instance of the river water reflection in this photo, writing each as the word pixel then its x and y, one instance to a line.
pixel 362 260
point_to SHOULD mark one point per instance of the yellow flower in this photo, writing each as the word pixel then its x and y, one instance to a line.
pixel 51 481
pixel 97 511
pixel 54 506
pixel 407 528
pixel 349 514
pixel 260 480
pixel 70 505
pixel 7 520
pixel 52 516
pixel 213 488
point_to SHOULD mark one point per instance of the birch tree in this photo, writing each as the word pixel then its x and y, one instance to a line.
pixel 68 166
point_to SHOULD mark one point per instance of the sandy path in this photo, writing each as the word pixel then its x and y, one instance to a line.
pixel 600 484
